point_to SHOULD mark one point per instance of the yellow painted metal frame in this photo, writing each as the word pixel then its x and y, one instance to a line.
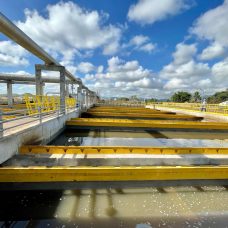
pixel 118 107
pixel 125 173
pixel 30 149
pixel 8 117
pixel 142 115
pixel 105 122
pixel 129 111
pixel 46 103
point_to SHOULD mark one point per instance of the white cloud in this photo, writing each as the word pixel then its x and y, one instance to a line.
pixel 189 84
pixel 139 40
pixel 205 83
pixel 140 43
pixel 141 83
pixel 184 53
pixel 12 54
pixel 147 47
pixel 212 26
pixel 20 72
pixel 145 83
pixel 213 51
pixel 100 69
pixel 69 28
pixel 111 48
pixel 150 11
pixel 220 73
pixel 183 65
pixel 175 83
pixel 123 79
pixel 86 67
pixel 115 64
pixel 184 72
pixel 126 71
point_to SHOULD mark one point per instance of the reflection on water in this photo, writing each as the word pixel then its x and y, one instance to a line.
pixel 88 141
pixel 73 141
pixel 137 207
pixel 147 138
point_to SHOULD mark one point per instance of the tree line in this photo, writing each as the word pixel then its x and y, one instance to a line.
pixel 183 96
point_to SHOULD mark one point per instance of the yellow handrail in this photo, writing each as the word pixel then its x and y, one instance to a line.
pixel 45 104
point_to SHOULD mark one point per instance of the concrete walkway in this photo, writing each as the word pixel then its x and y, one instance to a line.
pixel 15 126
pixel 210 117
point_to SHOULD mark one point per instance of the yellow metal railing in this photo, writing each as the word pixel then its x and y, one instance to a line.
pixel 209 108
pixel 45 104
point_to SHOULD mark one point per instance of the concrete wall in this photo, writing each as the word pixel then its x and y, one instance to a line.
pixel 38 134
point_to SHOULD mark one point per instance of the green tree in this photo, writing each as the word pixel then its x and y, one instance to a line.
pixel 218 97
pixel 134 98
pixel 196 97
pixel 181 96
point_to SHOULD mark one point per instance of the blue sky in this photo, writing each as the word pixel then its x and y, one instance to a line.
pixel 146 48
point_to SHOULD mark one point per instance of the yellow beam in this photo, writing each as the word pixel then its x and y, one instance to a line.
pixel 30 149
pixel 99 122
pixel 129 110
pixel 141 115
pixel 8 117
pixel 125 173
pixel 119 107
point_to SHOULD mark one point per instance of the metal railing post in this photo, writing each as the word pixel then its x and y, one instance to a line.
pixel 58 111
pixel 40 114
pixel 1 123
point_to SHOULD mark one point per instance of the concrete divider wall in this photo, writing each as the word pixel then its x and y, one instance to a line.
pixel 38 134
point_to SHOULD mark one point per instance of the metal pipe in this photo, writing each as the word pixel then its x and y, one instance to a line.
pixel 17 35
pixel 28 78
pixel 19 83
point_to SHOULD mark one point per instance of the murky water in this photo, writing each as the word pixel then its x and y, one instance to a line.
pixel 143 138
pixel 139 207
pixel 194 206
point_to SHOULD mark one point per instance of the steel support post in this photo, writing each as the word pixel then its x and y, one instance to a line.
pixel 79 96
pixel 67 90
pixel 62 89
pixel 42 88
pixel 1 124
pixel 88 99
pixel 83 99
pixel 39 90
pixel 10 93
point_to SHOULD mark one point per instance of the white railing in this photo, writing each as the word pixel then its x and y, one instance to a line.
pixel 21 117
